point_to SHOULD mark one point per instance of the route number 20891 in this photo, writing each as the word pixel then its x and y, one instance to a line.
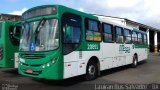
pixel 92 46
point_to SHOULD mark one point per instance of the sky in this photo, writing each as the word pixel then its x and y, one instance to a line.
pixel 142 11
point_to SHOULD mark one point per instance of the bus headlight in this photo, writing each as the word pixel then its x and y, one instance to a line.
pixel 21 60
pixel 43 66
pixel 49 63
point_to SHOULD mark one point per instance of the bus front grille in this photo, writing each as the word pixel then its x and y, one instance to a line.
pixel 36 65
pixel 33 56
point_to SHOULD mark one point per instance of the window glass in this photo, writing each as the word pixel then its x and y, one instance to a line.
pixel 139 38
pixel 93 25
pixel 92 31
pixel 119 35
pixel 127 32
pixel 71 27
pixel 127 36
pixel 90 35
pixel 134 34
pixel 145 38
pixel 74 37
pixel 134 37
pixel 14 41
pixel 108 35
pixel 107 28
pixel 128 40
pixel 119 39
pixel 118 31
pixel 97 36
pixel 40 35
pixel 139 35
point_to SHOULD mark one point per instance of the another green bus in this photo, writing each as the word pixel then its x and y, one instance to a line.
pixel 58 42
pixel 9 43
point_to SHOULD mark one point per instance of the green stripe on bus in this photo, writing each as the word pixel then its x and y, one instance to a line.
pixel 140 46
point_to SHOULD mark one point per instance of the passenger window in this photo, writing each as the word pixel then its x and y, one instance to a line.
pixel 108 33
pixel 140 38
pixel 134 37
pixel 92 30
pixel 92 25
pixel 12 34
pixel 71 27
pixel 71 34
pixel 127 36
pixel 119 34
pixel 144 38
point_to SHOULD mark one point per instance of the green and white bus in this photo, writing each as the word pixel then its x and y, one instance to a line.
pixel 58 42
pixel 9 42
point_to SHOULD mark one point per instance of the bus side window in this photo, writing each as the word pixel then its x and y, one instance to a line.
pixel 127 36
pixel 134 37
pixel 108 33
pixel 71 31
pixel 14 41
pixel 144 39
pixel 119 34
pixel 139 38
pixel 17 32
pixel 92 30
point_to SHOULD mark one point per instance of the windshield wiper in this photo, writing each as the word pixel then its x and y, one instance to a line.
pixel 41 23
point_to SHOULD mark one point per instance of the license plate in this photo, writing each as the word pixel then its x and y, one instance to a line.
pixel 29 71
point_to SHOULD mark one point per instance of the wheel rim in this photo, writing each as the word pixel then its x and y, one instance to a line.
pixel 135 62
pixel 91 70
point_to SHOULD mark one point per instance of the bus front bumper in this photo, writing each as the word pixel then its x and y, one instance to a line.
pixel 53 71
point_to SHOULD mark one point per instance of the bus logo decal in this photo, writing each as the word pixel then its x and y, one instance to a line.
pixel 123 49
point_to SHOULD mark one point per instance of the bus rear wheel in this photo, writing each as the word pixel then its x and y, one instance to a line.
pixel 91 71
pixel 135 61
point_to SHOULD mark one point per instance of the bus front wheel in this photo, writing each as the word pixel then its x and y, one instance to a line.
pixel 91 71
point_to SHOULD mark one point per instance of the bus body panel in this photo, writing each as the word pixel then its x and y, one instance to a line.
pixel 108 55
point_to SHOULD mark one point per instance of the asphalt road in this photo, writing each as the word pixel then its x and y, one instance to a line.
pixel 147 72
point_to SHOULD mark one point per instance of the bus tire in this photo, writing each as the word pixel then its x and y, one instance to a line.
pixel 135 61
pixel 91 71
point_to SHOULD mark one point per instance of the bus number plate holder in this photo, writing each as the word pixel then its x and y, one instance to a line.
pixel 29 71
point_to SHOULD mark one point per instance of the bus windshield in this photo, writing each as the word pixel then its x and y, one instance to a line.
pixel 42 35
